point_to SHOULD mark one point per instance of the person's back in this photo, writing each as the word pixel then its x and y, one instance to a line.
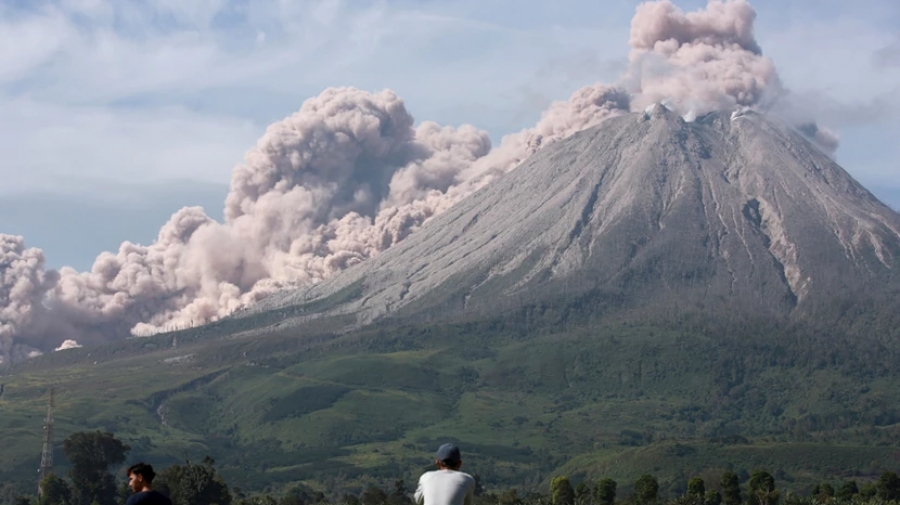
pixel 447 485
pixel 148 498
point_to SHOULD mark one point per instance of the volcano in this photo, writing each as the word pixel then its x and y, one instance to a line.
pixel 732 210
pixel 666 290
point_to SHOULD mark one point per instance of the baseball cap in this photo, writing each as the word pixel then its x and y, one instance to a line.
pixel 448 453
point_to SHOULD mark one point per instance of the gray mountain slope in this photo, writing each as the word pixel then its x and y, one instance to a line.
pixel 733 209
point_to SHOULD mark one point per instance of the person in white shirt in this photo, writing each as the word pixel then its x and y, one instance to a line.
pixel 446 485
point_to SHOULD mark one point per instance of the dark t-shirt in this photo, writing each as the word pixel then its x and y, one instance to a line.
pixel 149 498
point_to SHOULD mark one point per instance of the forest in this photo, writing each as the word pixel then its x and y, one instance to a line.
pixel 96 476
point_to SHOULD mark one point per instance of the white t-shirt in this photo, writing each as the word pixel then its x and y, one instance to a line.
pixel 445 487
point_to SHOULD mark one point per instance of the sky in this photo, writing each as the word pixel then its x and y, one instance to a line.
pixel 117 114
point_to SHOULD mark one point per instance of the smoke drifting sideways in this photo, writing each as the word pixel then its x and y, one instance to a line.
pixel 348 176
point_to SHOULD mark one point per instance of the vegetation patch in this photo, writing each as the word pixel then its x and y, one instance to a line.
pixel 304 401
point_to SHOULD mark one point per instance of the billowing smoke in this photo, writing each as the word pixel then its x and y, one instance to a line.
pixel 23 283
pixel 824 138
pixel 344 178
pixel 317 194
pixel 67 344
pixel 348 176
pixel 700 61
pixel 708 60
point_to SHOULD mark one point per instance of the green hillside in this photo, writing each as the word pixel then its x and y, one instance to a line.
pixel 525 397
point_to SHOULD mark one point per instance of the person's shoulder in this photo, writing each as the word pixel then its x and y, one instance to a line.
pixel 148 498
pixel 460 477
pixel 140 498
pixel 427 475
pixel 160 499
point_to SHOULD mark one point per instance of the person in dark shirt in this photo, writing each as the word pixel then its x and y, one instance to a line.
pixel 140 479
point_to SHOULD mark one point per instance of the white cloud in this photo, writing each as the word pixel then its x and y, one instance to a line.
pixel 64 111
pixel 827 63
pixel 46 145
pixel 26 44
pixel 202 78
pixel 831 56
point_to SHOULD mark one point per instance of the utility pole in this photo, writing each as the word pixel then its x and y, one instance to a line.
pixel 47 451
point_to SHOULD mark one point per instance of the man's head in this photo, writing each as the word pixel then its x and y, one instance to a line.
pixel 140 477
pixel 448 457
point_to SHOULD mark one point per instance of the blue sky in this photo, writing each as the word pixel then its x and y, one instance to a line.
pixel 115 114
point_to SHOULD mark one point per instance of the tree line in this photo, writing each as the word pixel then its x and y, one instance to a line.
pixel 92 455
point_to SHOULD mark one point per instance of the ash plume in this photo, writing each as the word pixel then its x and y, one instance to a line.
pixel 700 61
pixel 350 175
pixel 708 60
pixel 23 284
pixel 822 137
pixel 68 344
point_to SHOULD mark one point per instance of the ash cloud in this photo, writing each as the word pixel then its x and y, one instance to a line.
pixel 825 139
pixel 341 180
pixel 68 344
pixel 700 61
pixel 348 176
pixel 708 60
pixel 23 284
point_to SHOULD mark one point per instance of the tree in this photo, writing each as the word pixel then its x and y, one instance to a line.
pixel 509 497
pixel 373 496
pixel 290 498
pixel 762 489
pixel 791 498
pixel 888 486
pixel 91 454
pixel 713 497
pixel 731 489
pixel 646 489
pixel 8 490
pixel 561 491
pixel 605 491
pixel 191 484
pixel 124 492
pixel 868 491
pixel 823 491
pixel 847 491
pixel 479 487
pixel 301 494
pixel 582 492
pixel 398 495
pixel 258 500
pixel 54 491
pixel 696 487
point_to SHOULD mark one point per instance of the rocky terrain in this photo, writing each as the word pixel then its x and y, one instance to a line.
pixel 734 209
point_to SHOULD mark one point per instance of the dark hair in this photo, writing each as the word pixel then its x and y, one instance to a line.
pixel 451 464
pixel 144 470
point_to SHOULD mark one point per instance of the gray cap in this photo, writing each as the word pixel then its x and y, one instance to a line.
pixel 449 453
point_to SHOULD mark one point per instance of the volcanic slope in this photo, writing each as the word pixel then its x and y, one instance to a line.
pixel 734 209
